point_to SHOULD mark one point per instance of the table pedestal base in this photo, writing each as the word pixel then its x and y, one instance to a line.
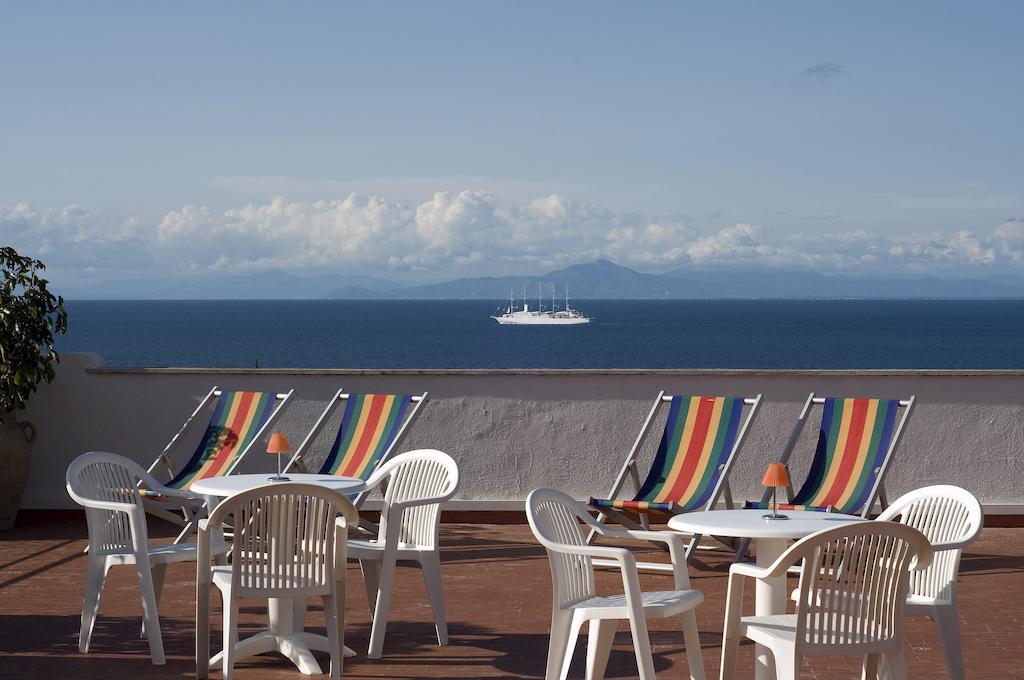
pixel 770 599
pixel 284 637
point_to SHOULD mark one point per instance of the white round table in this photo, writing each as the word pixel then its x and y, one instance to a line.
pixel 222 487
pixel 285 616
pixel 772 537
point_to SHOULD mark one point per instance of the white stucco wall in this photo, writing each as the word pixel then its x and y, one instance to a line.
pixel 517 430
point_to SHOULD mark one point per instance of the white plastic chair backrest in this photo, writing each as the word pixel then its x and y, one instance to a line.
pixel 107 486
pixel 951 518
pixel 286 538
pixel 555 519
pixel 417 483
pixel 858 576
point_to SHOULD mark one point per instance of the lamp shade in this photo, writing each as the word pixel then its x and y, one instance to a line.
pixel 278 443
pixel 776 475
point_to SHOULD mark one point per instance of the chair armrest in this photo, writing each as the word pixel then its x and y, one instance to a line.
pixel 621 555
pixel 401 506
pixel 952 545
pixel 107 505
pixel 752 571
pixel 667 537
pixel 372 482
pixel 675 543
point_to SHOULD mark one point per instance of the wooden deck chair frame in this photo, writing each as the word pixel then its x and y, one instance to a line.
pixel 182 513
pixel 299 458
pixel 877 493
pixel 629 470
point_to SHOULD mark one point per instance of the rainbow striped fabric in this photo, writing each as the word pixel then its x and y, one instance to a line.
pixel 236 418
pixel 699 437
pixel 368 428
pixel 853 442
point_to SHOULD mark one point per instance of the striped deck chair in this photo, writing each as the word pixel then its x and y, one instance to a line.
pixel 237 421
pixel 699 444
pixel 856 440
pixel 372 426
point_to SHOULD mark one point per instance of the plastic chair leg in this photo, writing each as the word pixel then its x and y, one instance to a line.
pixel 691 636
pixel 947 619
pixel 159 574
pixel 570 646
pixel 150 613
pixel 230 636
pixel 371 581
pixel 730 648
pixel 333 635
pixel 430 563
pixel 380 611
pixel 787 664
pixel 558 643
pixel 896 663
pixel 599 646
pixel 202 631
pixel 95 575
pixel 642 646
pixel 869 670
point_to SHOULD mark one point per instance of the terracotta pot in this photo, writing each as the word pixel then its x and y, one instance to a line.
pixel 16 440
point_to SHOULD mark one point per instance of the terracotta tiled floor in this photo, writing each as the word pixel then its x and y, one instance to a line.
pixel 497 584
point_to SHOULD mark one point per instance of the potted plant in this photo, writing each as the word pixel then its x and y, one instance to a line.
pixel 30 315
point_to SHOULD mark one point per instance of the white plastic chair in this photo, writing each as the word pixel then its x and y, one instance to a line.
pixel 857 576
pixel 417 483
pixel 288 543
pixel 107 486
pixel 952 519
pixel 556 522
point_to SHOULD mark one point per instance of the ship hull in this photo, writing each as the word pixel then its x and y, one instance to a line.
pixel 531 320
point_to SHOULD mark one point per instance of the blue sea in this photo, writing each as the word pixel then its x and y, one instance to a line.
pixel 767 334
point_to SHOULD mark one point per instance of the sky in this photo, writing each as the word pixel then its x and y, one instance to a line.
pixel 420 141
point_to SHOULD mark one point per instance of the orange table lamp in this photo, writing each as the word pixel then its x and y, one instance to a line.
pixel 775 476
pixel 278 444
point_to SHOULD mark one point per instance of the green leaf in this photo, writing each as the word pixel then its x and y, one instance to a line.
pixel 30 315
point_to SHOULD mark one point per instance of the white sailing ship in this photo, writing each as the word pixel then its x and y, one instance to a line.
pixel 567 316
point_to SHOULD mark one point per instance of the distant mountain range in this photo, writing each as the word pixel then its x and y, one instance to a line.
pixel 596 280
pixel 269 285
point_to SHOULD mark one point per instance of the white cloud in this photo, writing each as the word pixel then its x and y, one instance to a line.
pixel 451 229
pixel 356 230
pixel 961 247
pixel 739 244
pixel 472 231
pixel 1009 239
pixel 74 238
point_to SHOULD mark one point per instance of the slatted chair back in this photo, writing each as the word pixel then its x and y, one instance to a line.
pixel 107 486
pixel 951 518
pixel 287 541
pixel 237 421
pixel 556 524
pixel 417 483
pixel 698 446
pixel 853 585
